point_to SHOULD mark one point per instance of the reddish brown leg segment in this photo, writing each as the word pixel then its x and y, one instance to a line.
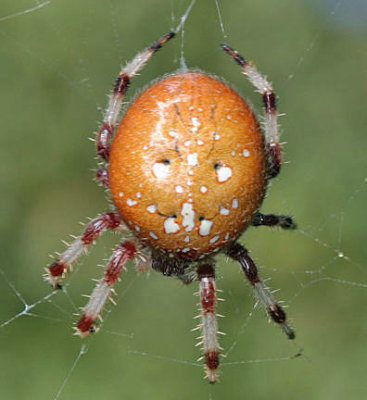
pixel 102 177
pixel 91 232
pixel 209 326
pixel 102 291
pixel 274 154
pixel 105 133
pixel 262 293
pixel 270 124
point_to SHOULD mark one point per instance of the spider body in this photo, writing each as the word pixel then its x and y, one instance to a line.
pixel 187 166
pixel 187 172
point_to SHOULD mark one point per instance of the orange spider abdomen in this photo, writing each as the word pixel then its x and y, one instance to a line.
pixel 187 165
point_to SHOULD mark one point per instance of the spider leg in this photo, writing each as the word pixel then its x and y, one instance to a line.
pixel 102 177
pixel 125 251
pixel 113 109
pixel 208 325
pixel 283 221
pixel 262 293
pixel 57 270
pixel 270 125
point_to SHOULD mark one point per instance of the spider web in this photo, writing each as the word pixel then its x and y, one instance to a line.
pixel 145 347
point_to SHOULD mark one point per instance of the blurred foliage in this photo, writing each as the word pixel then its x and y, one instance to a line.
pixel 57 65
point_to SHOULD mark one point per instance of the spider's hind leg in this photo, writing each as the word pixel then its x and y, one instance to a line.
pixel 208 324
pixel 262 293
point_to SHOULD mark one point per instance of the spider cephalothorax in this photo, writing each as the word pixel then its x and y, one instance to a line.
pixel 187 170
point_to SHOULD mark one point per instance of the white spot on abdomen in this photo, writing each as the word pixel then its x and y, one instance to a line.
pixel 195 122
pixel 170 225
pixel 203 189
pixel 234 203
pixel 160 170
pixel 153 235
pixel 223 210
pixel 179 189
pixel 246 153
pixel 192 159
pixel 188 215
pixel 152 209
pixel 214 239
pixel 205 226
pixel 223 173
pixel 130 202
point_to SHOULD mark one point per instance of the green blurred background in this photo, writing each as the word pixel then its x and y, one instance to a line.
pixel 57 65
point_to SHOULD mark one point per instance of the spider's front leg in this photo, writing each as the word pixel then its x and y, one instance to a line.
pixel 270 124
pixel 105 133
pixel 124 252
pixel 262 293
pixel 57 270
pixel 102 177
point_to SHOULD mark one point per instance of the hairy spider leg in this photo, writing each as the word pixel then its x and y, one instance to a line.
pixel 124 252
pixel 122 82
pixel 101 177
pixel 270 124
pixel 108 220
pixel 262 293
pixel 56 271
pixel 208 324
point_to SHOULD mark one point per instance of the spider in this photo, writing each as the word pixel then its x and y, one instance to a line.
pixel 187 171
